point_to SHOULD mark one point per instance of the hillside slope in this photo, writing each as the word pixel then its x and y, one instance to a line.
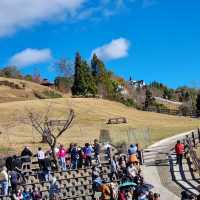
pixel 91 116
pixel 19 90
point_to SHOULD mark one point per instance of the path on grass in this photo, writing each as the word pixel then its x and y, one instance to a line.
pixel 160 170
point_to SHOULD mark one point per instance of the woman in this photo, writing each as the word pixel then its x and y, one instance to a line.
pixel 61 156
pixel 122 164
pixel 88 154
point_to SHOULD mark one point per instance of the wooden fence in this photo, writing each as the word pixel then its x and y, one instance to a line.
pixel 191 141
pixel 174 112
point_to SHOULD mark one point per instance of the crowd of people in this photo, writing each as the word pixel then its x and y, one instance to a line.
pixel 10 185
pixel 125 180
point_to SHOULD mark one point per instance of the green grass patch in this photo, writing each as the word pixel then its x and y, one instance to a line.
pixel 52 94
pixel 5 150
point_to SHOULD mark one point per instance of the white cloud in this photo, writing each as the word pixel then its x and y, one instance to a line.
pixel 117 48
pixel 29 56
pixel 18 14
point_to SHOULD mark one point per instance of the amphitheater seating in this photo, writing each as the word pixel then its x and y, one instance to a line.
pixel 73 184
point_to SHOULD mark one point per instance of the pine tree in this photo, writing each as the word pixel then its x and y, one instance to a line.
pixel 98 69
pixel 198 104
pixel 94 66
pixel 78 87
pixel 102 77
pixel 91 87
pixel 83 79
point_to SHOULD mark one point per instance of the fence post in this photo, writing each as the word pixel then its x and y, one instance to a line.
pixel 199 134
pixel 193 138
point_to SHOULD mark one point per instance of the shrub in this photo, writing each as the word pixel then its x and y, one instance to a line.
pixel 51 94
pixel 128 102
pixel 185 109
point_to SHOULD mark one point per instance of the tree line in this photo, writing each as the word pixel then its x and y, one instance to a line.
pixel 83 78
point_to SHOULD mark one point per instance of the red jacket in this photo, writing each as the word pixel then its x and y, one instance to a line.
pixel 179 148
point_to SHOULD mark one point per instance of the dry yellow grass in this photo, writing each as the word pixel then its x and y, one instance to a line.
pixel 8 94
pixel 91 116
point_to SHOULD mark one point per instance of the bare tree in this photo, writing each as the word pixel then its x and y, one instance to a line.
pixel 64 67
pixel 50 130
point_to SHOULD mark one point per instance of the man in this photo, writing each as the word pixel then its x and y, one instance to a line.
pixel 46 168
pixel 14 180
pixel 41 157
pixel 97 151
pixel 4 181
pixel 114 168
pixel 74 156
pixel 26 154
pixel 132 171
pixel 179 149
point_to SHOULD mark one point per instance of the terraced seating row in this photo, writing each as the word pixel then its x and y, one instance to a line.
pixel 73 184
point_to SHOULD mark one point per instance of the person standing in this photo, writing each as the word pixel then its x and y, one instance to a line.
pixel 41 157
pixel 26 154
pixel 14 180
pixel 179 149
pixel 114 168
pixel 74 156
pixel 61 156
pixel 97 151
pixel 4 181
pixel 46 171
pixel 88 154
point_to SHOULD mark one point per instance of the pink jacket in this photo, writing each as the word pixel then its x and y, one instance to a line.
pixel 62 153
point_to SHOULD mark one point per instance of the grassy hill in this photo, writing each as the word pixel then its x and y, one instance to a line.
pixel 19 90
pixel 91 116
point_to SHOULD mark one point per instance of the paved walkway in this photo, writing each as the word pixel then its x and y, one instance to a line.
pixel 161 170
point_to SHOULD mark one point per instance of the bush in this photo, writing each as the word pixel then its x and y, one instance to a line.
pixel 128 102
pixel 185 109
pixel 52 94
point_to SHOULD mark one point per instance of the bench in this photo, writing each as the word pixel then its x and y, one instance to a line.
pixel 118 120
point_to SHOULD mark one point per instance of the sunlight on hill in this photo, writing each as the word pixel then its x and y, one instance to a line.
pixel 91 116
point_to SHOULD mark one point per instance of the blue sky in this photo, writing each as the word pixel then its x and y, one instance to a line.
pixel 147 39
